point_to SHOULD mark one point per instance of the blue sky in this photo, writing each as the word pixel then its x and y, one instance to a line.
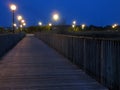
pixel 90 12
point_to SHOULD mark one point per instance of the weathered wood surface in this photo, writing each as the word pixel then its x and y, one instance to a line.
pixel 98 57
pixel 32 65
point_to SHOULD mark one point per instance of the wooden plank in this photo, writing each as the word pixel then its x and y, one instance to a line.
pixel 32 65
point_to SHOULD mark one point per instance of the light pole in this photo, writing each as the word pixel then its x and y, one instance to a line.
pixel 74 25
pixel 19 19
pixel 22 24
pixel 56 17
pixel 13 8
pixel 74 22
pixel 22 21
pixel 50 26
pixel 40 23
pixel 21 27
pixel 115 26
pixel 83 26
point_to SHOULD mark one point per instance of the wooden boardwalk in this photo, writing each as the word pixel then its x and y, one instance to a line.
pixel 32 65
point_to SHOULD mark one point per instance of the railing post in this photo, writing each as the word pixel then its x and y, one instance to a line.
pixel 84 55
pixel 99 57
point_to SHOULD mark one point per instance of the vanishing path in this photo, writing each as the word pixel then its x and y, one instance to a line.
pixel 32 65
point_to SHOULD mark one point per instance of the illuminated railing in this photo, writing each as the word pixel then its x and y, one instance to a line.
pixel 100 58
pixel 7 41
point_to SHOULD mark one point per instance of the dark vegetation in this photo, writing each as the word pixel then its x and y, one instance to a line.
pixel 88 31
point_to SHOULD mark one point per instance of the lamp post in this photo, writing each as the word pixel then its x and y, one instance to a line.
pixel 22 24
pixel 74 25
pixel 13 8
pixel 55 17
pixel 74 22
pixel 115 26
pixel 50 26
pixel 19 19
pixel 83 26
pixel 40 23
pixel 22 21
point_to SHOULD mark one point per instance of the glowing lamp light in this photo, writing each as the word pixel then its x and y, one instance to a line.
pixel 73 26
pixel 74 22
pixel 15 25
pixel 40 23
pixel 50 24
pixel 19 18
pixel 13 7
pixel 114 26
pixel 22 21
pixel 56 17
pixel 83 26
pixel 24 24
pixel 21 26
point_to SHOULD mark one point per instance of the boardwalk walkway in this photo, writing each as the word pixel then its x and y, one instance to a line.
pixel 32 65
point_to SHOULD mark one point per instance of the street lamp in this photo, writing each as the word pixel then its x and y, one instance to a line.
pixel 73 26
pixel 50 24
pixel 40 23
pixel 56 16
pixel 21 26
pixel 13 8
pixel 83 26
pixel 19 19
pixel 15 25
pixel 24 24
pixel 74 22
pixel 114 26
pixel 22 21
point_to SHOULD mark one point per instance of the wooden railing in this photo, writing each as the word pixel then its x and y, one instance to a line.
pixel 98 57
pixel 7 41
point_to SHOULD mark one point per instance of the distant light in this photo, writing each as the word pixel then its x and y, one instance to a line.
pixel 24 24
pixel 19 18
pixel 56 16
pixel 73 26
pixel 15 25
pixel 22 21
pixel 83 26
pixel 50 24
pixel 114 25
pixel 40 23
pixel 13 7
pixel 21 26
pixel 74 22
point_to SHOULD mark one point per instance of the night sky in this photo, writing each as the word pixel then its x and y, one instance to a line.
pixel 90 12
